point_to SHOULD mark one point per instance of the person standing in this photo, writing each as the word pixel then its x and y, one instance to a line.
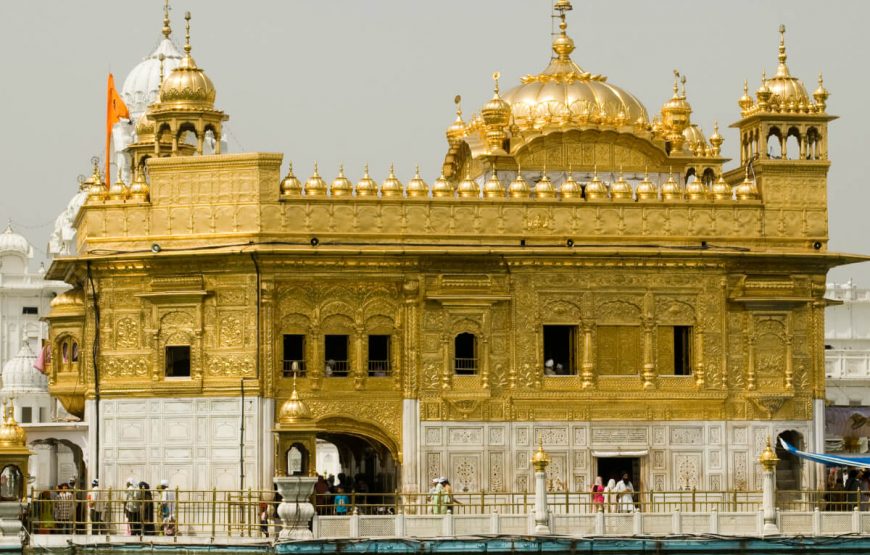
pixel 598 495
pixel 436 496
pixel 167 508
pixel 625 495
pixel 611 495
pixel 449 500
pixel 133 508
pixel 97 506
pixel 64 508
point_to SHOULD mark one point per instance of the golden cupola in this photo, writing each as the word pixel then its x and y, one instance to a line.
pixel 496 115
pixel 392 187
pixel 442 188
pixel 417 186
pixel 186 104
pixel 315 186
pixel 290 185
pixel 366 187
pixel 676 114
pixel 787 93
pixel 341 185
pixel 11 433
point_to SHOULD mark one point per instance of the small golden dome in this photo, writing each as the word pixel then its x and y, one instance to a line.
pixel 596 189
pixel 341 185
pixel 118 190
pixel 496 112
pixel 745 101
pixel 315 186
pixel 392 187
pixel 519 188
pixel 188 86
pixel 74 298
pixel 144 128
pixel 139 189
pixel 540 459
pixel 294 410
pixel 544 188
pixel 290 185
pixel 787 93
pixel 570 189
pixel 768 459
pixel 96 187
pixel 646 189
pixel 746 190
pixel 417 187
pixel 695 143
pixel 468 187
pixel 11 434
pixel 763 92
pixel 721 190
pixel 671 189
pixel 620 189
pixel 366 187
pixel 493 187
pixel 442 188
pixel 695 189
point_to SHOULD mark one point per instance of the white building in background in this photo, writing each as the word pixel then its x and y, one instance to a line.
pixel 847 367
pixel 57 440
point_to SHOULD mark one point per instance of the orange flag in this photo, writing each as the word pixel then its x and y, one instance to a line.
pixel 115 110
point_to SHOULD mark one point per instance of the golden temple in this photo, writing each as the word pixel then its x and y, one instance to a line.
pixel 581 274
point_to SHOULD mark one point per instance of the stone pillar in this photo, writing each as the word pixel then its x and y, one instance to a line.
pixel 540 461
pixel 295 510
pixel 768 460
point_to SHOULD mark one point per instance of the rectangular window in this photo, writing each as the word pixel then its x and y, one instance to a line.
pixel 335 359
pixel 42 415
pixel 26 415
pixel 30 310
pixel 379 355
pixel 559 349
pixel 178 361
pixel 619 351
pixel 674 351
pixel 465 354
pixel 294 355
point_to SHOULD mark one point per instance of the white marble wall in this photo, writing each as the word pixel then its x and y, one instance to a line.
pixel 674 455
pixel 192 442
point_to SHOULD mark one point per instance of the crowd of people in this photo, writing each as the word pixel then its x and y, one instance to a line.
pixel 68 510
pixel 340 495
pixel 847 489
pixel 615 497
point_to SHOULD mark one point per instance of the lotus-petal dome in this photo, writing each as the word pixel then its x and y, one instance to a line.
pixel 142 85
pixel 11 242
pixel 19 375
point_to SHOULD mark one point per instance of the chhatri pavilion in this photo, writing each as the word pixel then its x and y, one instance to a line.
pixel 583 273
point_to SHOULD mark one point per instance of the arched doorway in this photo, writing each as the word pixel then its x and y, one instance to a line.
pixel 55 461
pixel 366 464
pixel 788 469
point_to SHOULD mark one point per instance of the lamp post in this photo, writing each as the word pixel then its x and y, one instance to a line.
pixel 540 461
pixel 768 460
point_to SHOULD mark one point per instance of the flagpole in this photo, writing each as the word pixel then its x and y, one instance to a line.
pixel 108 125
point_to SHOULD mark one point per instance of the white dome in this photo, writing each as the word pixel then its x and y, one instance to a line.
pixel 62 238
pixel 15 243
pixel 19 375
pixel 143 82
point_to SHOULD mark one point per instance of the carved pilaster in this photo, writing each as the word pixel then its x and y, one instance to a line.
pixel 789 368
pixel 700 375
pixel 587 368
pixel 484 366
pixel 447 367
pixel 314 367
pixel 359 368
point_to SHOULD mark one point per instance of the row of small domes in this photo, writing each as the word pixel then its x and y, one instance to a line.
pixel 493 187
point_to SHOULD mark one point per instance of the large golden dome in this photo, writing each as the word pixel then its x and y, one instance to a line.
pixel 786 91
pixel 565 94
pixel 188 85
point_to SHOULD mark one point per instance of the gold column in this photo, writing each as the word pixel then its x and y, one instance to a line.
pixel 698 365
pixel 789 363
pixel 446 371
pixel 314 364
pixel 359 364
pixel 484 363
pixel 587 374
pixel 649 368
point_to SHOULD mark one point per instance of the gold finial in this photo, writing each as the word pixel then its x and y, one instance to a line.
pixel 167 30
pixel 458 101
pixel 187 33
pixel 540 460
pixel 676 83
pixel 768 458
pixel 162 58
pixel 782 55
pixel 683 82
pixel 495 77
pixel 746 86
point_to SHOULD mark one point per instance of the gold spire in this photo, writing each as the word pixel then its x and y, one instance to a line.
pixel 496 115
pixel 167 30
pixel 290 185
pixel 456 131
pixel 366 187
pixel 418 187
pixel 782 69
pixel 563 45
pixel 596 189
pixel 96 187
pixel 162 59
pixel 187 34
pixel 392 187
pixel 341 185
pixel 745 101
pixel 821 94
pixel 716 139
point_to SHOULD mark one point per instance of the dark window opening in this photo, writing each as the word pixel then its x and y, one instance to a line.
pixel 75 352
pixel 178 362
pixel 465 354
pixel 29 310
pixel 335 355
pixel 682 350
pixel 559 345
pixel 379 355
pixel 26 415
pixel 294 355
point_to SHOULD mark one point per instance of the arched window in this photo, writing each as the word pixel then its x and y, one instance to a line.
pixel 11 484
pixel 64 352
pixel 74 352
pixel 297 460
pixel 774 143
pixel 465 354
pixel 709 177
pixel 812 146
pixel 792 145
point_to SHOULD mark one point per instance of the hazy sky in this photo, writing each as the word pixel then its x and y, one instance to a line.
pixel 373 81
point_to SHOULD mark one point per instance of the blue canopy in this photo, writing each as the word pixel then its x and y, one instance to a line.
pixel 829 460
